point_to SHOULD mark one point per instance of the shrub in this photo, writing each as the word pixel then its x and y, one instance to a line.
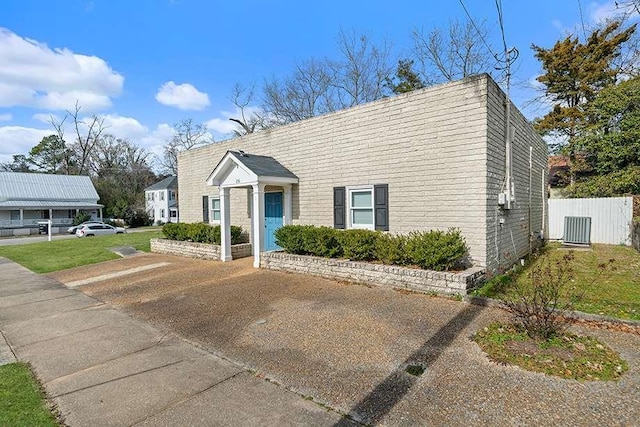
pixel 80 218
pixel 291 238
pixel 435 250
pixel 137 218
pixel 200 232
pixel 359 245
pixel 391 249
pixel 536 303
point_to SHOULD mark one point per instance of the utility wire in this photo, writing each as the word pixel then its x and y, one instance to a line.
pixel 584 31
pixel 479 32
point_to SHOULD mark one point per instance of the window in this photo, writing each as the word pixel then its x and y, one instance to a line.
pixel 361 208
pixel 153 195
pixel 173 213
pixel 364 206
pixel 161 213
pixel 161 196
pixel 15 215
pixel 215 210
pixel 172 195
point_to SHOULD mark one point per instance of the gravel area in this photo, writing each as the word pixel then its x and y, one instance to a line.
pixel 347 346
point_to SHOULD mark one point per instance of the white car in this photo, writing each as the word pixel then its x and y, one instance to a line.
pixel 98 230
pixel 74 228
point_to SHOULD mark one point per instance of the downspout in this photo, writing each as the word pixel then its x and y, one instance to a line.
pixel 530 194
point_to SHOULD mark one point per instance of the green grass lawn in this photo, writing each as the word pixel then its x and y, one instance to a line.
pixel 22 402
pixel 612 292
pixel 62 254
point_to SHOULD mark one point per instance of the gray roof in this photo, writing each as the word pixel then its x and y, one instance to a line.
pixel 263 165
pixel 169 182
pixel 35 204
pixel 18 186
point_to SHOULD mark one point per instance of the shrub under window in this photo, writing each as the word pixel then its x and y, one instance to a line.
pixel 434 250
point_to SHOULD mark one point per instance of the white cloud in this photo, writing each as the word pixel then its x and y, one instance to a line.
pixel 222 126
pixel 123 127
pixel 19 140
pixel 5 117
pixel 34 75
pixel 183 96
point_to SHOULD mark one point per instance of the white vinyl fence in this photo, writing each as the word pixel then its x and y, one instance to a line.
pixel 611 218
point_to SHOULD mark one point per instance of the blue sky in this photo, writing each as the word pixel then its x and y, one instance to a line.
pixel 146 64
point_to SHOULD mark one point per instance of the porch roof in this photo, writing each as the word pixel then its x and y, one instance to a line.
pixel 41 204
pixel 254 169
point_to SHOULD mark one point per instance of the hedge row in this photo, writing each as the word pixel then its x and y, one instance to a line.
pixel 430 250
pixel 200 232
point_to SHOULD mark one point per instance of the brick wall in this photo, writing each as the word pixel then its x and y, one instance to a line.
pixel 430 146
pixel 509 241
pixel 375 274
pixel 197 250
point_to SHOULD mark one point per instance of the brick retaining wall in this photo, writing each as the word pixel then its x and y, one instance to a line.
pixel 197 250
pixel 375 274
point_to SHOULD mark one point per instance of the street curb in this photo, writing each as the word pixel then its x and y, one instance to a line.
pixel 577 315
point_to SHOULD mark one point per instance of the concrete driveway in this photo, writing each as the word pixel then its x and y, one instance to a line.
pixel 346 346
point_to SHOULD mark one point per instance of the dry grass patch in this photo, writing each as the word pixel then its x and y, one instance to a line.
pixel 566 356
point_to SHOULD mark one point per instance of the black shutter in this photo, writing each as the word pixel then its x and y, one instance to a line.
pixel 339 207
pixel 381 206
pixel 205 208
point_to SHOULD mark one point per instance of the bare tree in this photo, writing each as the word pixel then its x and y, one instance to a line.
pixel 452 53
pixel 186 135
pixel 360 75
pixel 305 93
pixel 319 86
pixel 250 118
pixel 87 134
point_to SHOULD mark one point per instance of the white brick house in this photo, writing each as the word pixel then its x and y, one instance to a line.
pixel 429 159
pixel 161 200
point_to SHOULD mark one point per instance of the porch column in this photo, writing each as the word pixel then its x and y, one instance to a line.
pixel 288 204
pixel 257 221
pixel 100 214
pixel 225 225
pixel 21 217
pixel 51 214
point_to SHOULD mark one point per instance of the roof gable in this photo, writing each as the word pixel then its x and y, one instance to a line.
pixel 46 187
pixel 249 168
pixel 169 182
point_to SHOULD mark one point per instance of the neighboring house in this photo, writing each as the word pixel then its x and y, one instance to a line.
pixel 28 198
pixel 162 200
pixel 559 175
pixel 430 159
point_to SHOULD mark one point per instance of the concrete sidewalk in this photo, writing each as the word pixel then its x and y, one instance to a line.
pixel 100 366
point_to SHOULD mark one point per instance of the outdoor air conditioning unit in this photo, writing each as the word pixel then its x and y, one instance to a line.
pixel 577 230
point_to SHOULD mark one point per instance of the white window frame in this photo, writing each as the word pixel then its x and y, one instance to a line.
pixel 153 196
pixel 172 195
pixel 350 209
pixel 212 212
pixel 161 196
pixel 162 212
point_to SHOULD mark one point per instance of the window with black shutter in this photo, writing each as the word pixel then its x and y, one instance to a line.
pixel 339 208
pixel 381 206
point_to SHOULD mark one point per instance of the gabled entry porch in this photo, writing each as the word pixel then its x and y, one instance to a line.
pixel 271 201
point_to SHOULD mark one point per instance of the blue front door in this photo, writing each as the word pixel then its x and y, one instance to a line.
pixel 272 219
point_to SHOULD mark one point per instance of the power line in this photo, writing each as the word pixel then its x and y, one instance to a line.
pixel 584 32
pixel 479 32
